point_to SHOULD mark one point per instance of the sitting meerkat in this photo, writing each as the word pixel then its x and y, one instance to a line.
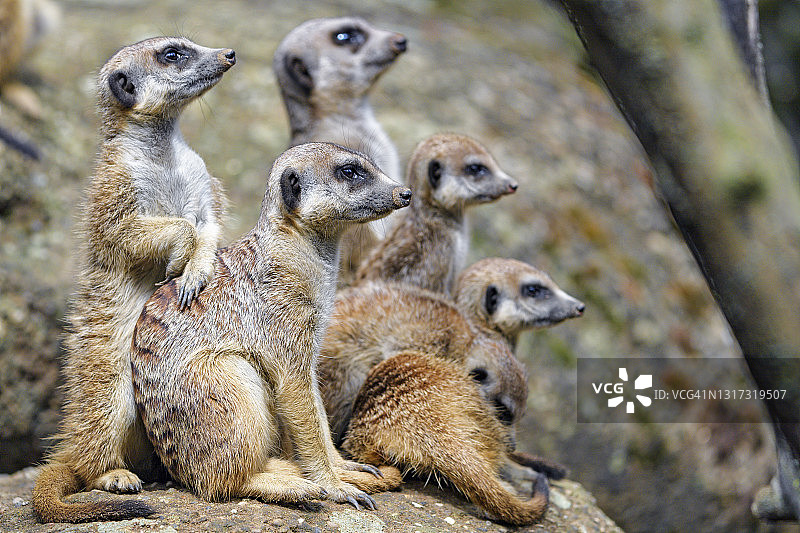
pixel 326 69
pixel 217 384
pixel 428 244
pixel 509 296
pixel 151 212
pixel 375 321
pixel 424 415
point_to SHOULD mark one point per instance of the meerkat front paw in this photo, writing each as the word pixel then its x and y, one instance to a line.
pixel 119 480
pixel 194 279
pixel 347 493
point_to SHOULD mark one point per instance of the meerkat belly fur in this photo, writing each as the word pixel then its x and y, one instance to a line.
pixel 214 383
pixel 428 244
pixel 423 414
pixel 509 296
pixel 373 322
pixel 151 212
pixel 326 69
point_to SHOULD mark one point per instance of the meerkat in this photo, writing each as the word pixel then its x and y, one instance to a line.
pixel 326 69
pixel 215 383
pixel 375 321
pixel 510 296
pixel 428 244
pixel 22 25
pixel 151 213
pixel 422 414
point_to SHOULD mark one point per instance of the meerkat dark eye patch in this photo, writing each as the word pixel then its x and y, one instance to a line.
pixel 122 88
pixel 290 189
pixel 434 173
pixel 298 72
pixel 173 55
pixel 352 172
pixel 479 374
pixel 490 299
pixel 535 290
pixel 477 170
pixel 503 413
pixel 349 36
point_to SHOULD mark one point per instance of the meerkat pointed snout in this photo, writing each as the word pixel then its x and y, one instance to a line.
pixel 510 296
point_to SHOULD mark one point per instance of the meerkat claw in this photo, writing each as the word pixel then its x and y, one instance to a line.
pixel 352 501
pixel 370 502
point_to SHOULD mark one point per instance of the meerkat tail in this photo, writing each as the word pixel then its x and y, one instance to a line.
pixel 57 480
pixel 551 469
pixel 483 488
pixel 391 480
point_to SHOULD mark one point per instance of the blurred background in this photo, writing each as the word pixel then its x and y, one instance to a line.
pixel 512 74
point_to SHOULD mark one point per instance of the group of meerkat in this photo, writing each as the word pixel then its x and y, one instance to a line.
pixel 238 371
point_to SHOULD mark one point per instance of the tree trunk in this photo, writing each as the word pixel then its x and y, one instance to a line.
pixel 726 173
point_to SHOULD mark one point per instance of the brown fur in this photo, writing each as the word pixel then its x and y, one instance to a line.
pixel 423 414
pixel 325 83
pixel 219 384
pixel 373 322
pixel 510 296
pixel 151 213
pixel 428 244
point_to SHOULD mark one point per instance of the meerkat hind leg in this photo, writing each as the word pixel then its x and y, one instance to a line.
pixel 281 483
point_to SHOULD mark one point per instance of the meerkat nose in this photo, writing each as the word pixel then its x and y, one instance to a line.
pixel 401 196
pixel 230 56
pixel 400 43
pixel 580 308
pixel 512 186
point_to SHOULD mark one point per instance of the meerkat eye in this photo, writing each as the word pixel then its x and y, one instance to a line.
pixel 350 172
pixel 171 55
pixel 476 169
pixel 479 374
pixel 535 290
pixel 349 36
pixel 504 414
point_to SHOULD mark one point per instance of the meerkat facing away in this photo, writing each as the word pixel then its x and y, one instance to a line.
pixel 510 296
pixel 424 415
pixel 151 212
pixel 428 244
pixel 375 321
pixel 214 383
pixel 326 69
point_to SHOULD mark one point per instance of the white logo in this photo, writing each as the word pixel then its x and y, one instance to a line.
pixel 645 381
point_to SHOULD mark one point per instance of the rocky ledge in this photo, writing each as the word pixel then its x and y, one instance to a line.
pixel 416 508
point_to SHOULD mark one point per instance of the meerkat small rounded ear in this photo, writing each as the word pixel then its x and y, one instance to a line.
pixel 122 88
pixel 298 71
pixel 290 189
pixel 434 173
pixel 490 299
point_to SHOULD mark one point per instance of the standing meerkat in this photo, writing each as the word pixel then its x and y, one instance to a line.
pixel 375 321
pixel 326 69
pixel 215 383
pixel 151 213
pixel 429 242
pixel 509 296
pixel 424 415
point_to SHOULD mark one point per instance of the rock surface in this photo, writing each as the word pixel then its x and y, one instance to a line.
pixel 415 508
